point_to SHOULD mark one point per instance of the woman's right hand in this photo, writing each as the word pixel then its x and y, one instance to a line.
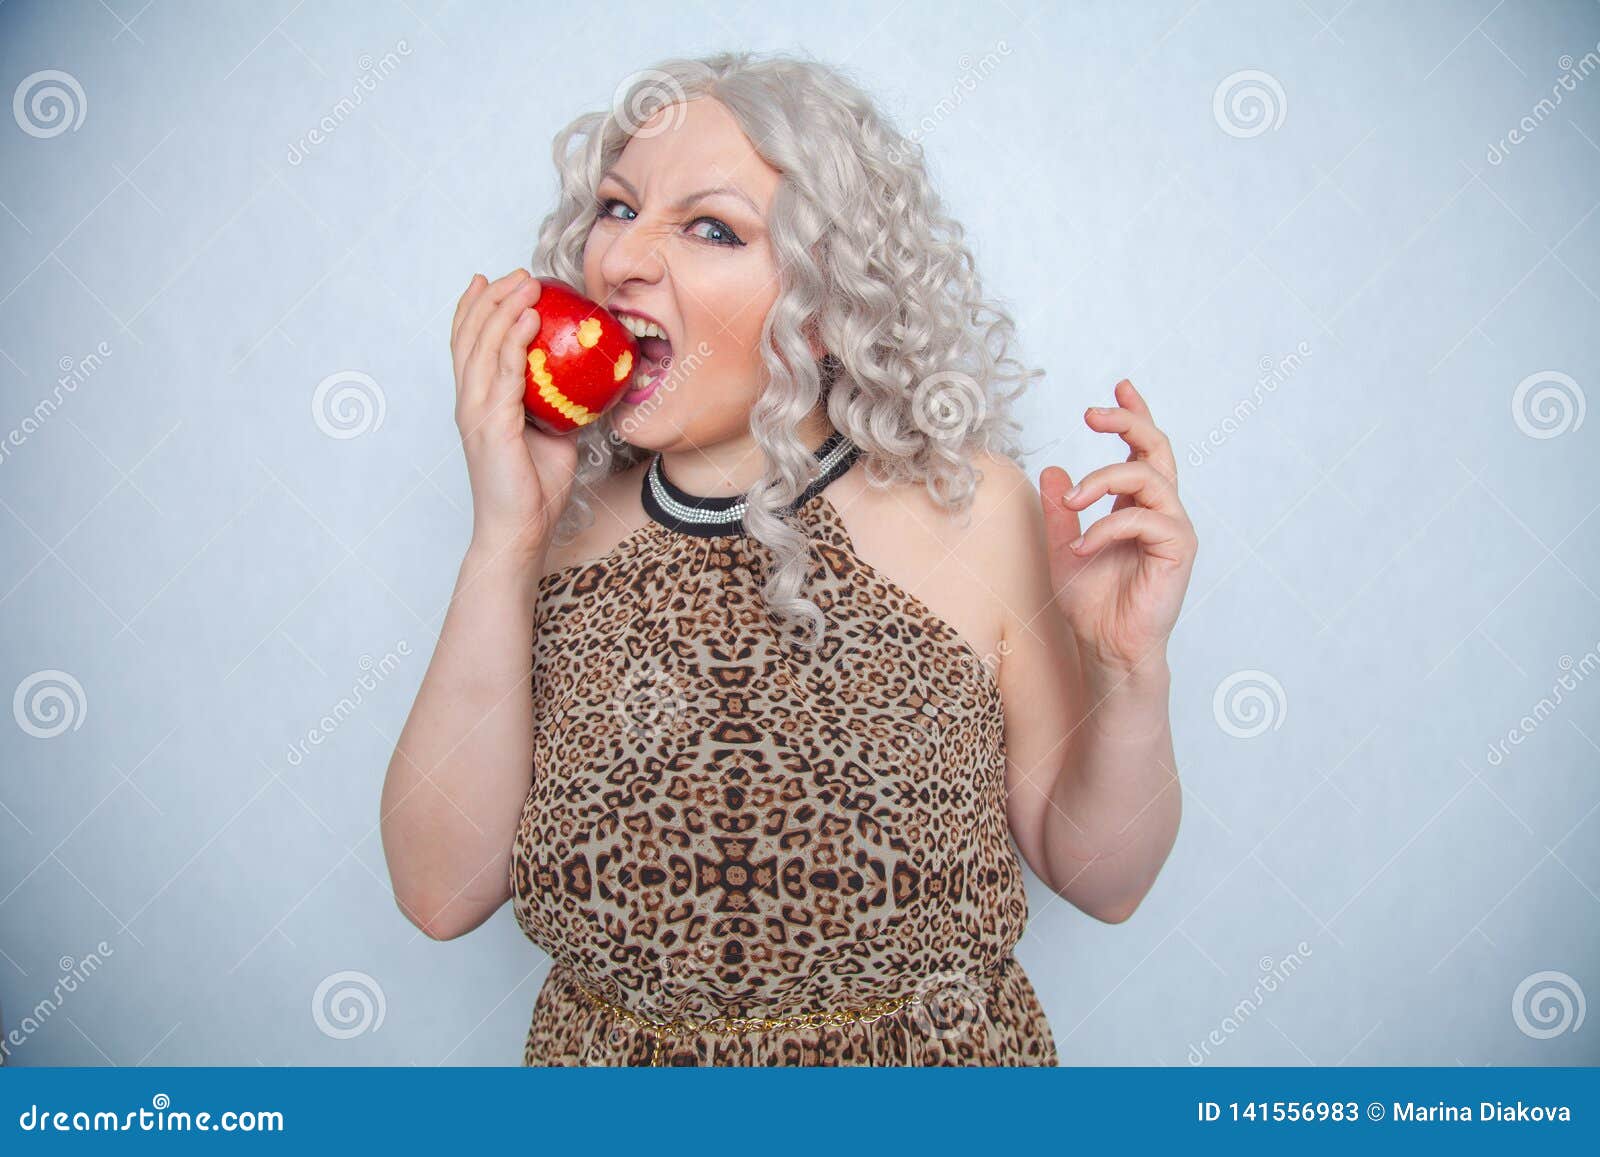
pixel 521 477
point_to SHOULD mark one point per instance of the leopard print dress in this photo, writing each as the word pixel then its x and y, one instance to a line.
pixel 739 852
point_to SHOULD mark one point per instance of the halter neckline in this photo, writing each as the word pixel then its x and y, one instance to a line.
pixel 708 517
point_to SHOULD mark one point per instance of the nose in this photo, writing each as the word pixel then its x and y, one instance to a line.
pixel 632 254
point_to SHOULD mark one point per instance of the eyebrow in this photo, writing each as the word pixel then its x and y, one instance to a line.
pixel 684 202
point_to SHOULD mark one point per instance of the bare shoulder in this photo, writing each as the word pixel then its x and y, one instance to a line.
pixel 614 502
pixel 1004 537
pixel 954 561
pixel 1013 546
pixel 1005 503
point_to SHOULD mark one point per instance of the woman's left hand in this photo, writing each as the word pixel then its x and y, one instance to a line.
pixel 1120 585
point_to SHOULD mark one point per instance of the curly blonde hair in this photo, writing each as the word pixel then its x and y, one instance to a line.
pixel 869 262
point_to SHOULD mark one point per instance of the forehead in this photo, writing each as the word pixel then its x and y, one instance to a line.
pixel 691 145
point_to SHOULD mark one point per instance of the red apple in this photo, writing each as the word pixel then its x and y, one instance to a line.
pixel 581 361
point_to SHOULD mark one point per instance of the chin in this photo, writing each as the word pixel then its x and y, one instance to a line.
pixel 649 425
pixel 672 419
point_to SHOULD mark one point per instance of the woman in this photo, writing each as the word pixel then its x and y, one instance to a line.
pixel 808 649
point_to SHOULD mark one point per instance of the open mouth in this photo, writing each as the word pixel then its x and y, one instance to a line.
pixel 655 357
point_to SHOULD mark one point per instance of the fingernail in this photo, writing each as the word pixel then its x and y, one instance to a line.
pixel 1073 493
pixel 1077 543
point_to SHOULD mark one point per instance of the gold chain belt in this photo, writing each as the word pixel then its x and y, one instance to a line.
pixel 663 1030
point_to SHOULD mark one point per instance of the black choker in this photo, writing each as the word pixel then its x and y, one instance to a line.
pixel 705 517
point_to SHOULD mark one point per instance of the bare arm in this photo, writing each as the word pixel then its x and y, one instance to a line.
pixel 1095 801
pixel 462 767
pixel 1115 798
pixel 463 764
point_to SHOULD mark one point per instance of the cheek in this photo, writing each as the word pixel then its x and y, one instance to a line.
pixel 590 259
pixel 733 343
pixel 750 325
pixel 736 315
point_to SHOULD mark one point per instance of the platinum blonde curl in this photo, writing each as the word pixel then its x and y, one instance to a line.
pixel 918 360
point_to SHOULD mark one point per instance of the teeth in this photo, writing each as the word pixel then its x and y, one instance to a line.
pixel 638 327
pixel 641 376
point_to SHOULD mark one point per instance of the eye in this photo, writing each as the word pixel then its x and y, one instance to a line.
pixel 720 233
pixel 728 236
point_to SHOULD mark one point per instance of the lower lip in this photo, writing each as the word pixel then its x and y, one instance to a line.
pixel 637 394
